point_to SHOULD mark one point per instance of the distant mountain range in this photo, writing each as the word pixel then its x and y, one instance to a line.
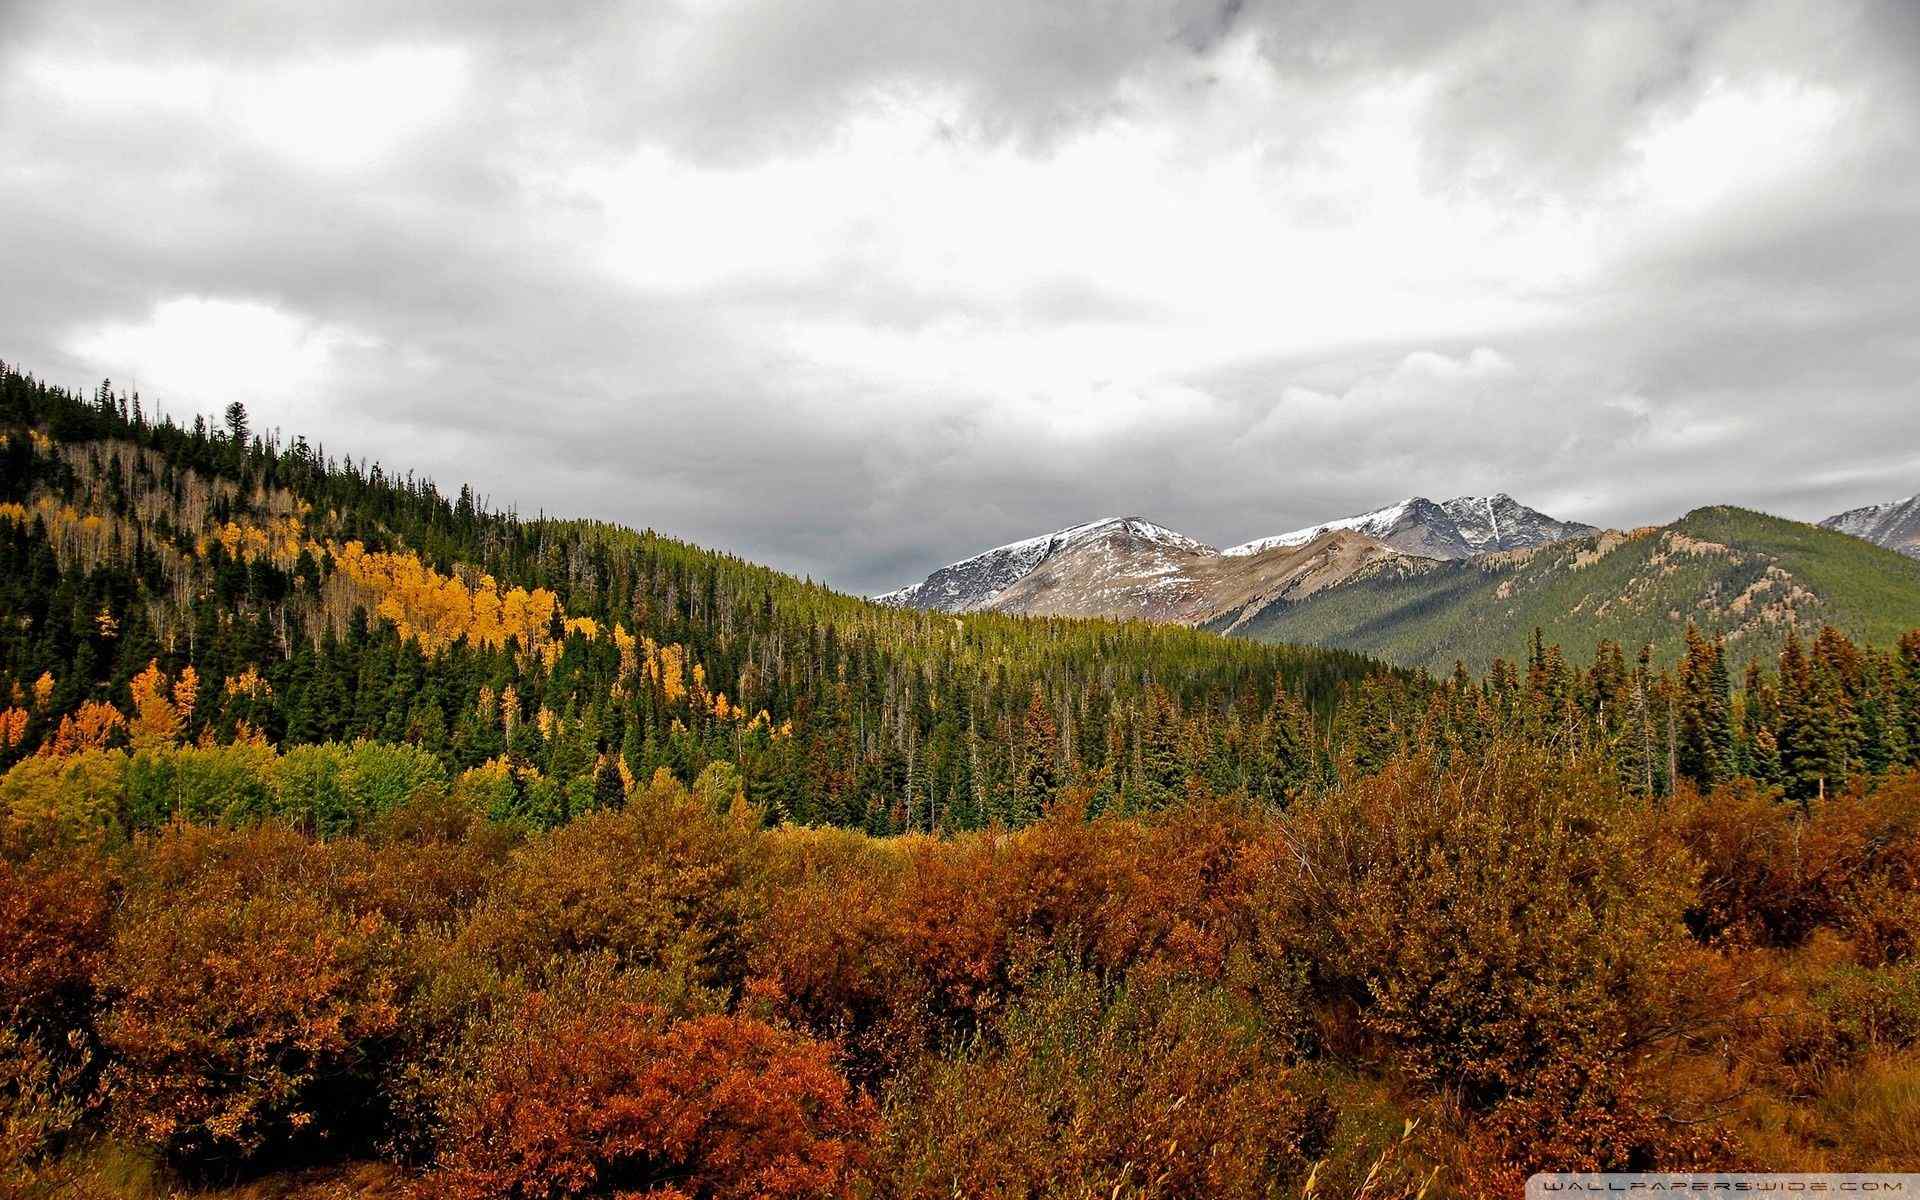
pixel 1426 583
pixel 1895 525
pixel 1131 567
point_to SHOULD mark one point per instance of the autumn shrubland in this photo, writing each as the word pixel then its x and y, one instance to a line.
pixel 359 842
pixel 1443 975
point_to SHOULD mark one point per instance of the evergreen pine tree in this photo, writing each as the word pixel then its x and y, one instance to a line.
pixel 1284 761
pixel 609 790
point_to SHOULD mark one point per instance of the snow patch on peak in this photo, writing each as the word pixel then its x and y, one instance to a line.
pixel 1458 528
pixel 1374 523
pixel 974 583
pixel 1894 525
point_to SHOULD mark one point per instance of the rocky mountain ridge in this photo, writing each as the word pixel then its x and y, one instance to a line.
pixel 1130 567
pixel 1894 525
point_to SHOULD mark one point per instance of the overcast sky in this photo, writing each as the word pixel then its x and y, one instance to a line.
pixel 857 287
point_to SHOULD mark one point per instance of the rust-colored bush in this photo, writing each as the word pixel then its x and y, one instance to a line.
pixel 584 1092
pixel 824 956
pixel 45 1098
pixel 55 902
pixel 431 860
pixel 1599 1115
pixel 1193 871
pixel 980 916
pixel 1157 1091
pixel 1774 873
pixel 249 1009
pixel 54 907
pixel 954 931
pixel 1482 923
pixel 890 951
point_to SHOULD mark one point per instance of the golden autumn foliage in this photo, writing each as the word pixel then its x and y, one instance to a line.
pixel 280 540
pixel 13 727
pixel 80 537
pixel 161 709
pixel 440 609
pixel 248 683
pixel 95 725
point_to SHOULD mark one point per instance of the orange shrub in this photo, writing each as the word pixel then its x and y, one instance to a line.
pixel 1154 1091
pixel 1193 871
pixel 824 956
pixel 981 915
pixel 431 860
pixel 1773 874
pixel 888 951
pixel 54 910
pixel 248 1009
pixel 953 931
pixel 586 1093
pixel 1592 1116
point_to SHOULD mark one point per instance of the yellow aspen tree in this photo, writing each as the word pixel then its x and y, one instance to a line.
pixel 246 683
pixel 156 722
pixel 509 709
pixel 90 727
pixel 186 692
pixel 672 675
pixel 13 727
pixel 629 660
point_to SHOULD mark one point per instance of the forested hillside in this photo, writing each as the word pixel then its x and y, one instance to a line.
pixel 204 586
pixel 297 597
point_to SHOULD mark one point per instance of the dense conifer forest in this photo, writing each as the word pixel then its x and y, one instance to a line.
pixel 356 840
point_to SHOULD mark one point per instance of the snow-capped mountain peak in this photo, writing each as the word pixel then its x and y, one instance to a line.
pixel 1458 528
pixel 1129 566
pixel 1895 524
pixel 1373 524
pixel 975 582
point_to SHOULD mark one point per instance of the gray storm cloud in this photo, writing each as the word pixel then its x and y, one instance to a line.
pixel 857 287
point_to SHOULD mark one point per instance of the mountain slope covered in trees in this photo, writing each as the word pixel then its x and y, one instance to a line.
pixel 1741 575
pixel 313 599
